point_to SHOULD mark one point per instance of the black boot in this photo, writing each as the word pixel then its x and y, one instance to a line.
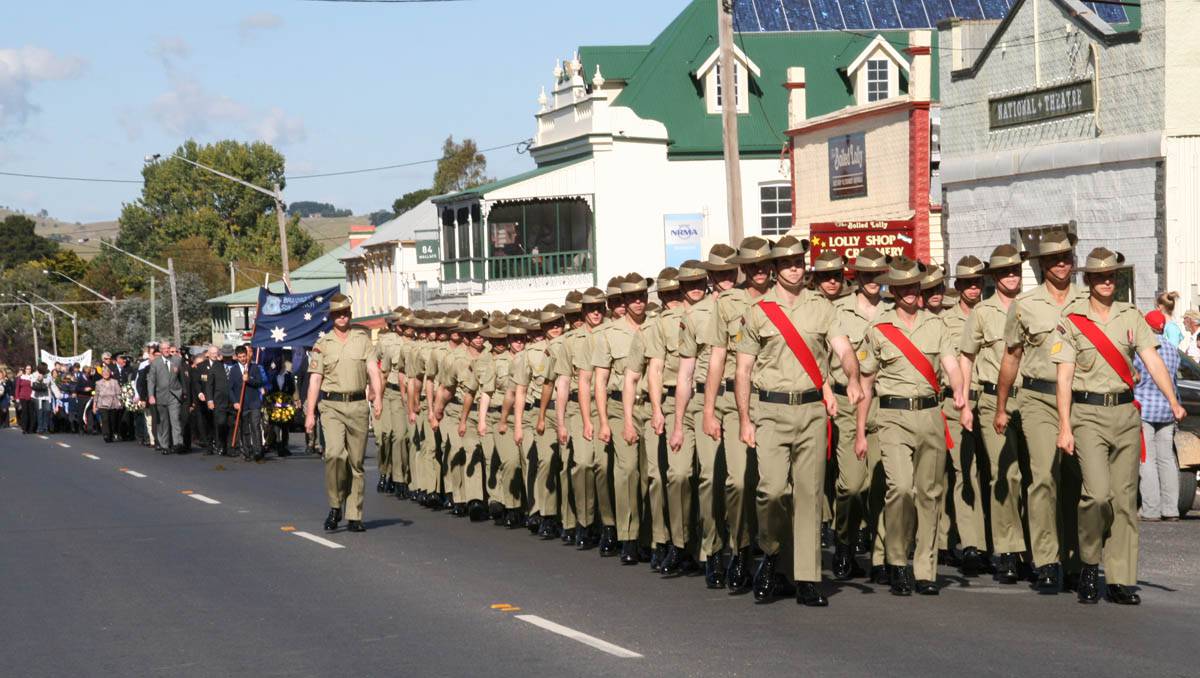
pixel 548 529
pixel 497 513
pixel 608 541
pixel 971 563
pixel 512 519
pixel 1089 584
pixel 629 554
pixel 657 558
pixel 458 510
pixel 1121 595
pixel 477 510
pixel 1048 580
pixel 583 541
pixel 1006 569
pixel 862 544
pixel 355 526
pixel 926 587
pixel 670 564
pixel 332 520
pixel 764 580
pixel 738 576
pixel 827 535
pixel 534 523
pixel 714 572
pixel 845 567
pixel 808 594
pixel 901 578
pixel 687 564
pixel 880 575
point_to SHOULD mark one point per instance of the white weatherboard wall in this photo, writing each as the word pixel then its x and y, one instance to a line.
pixel 1183 218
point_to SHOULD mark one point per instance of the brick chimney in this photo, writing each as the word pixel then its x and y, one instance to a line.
pixel 359 233
pixel 797 97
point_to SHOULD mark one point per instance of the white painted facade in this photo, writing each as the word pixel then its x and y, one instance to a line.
pixel 1127 173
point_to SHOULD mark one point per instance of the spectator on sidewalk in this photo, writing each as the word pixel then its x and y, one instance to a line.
pixel 1160 470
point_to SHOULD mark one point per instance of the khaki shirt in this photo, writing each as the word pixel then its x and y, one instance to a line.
pixel 531 370
pixel 1032 318
pixel 610 350
pixel 391 348
pixel 661 339
pixel 1125 327
pixel 894 374
pixel 731 305
pixel 457 373
pixel 698 322
pixel 854 323
pixel 343 364
pixel 983 337
pixel 776 367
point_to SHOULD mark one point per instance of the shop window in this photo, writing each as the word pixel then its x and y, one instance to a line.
pixel 775 208
pixel 877 79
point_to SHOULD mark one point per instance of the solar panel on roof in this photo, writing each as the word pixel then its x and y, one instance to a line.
pixel 1113 14
pixel 826 15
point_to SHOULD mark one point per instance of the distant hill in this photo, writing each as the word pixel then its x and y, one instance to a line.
pixel 329 232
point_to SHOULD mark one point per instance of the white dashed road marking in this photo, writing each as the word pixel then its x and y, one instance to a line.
pixel 135 474
pixel 602 645
pixel 318 540
pixel 63 445
pixel 200 497
pixel 91 456
pixel 44 437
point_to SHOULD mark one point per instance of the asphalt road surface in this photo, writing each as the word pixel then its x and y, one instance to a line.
pixel 115 561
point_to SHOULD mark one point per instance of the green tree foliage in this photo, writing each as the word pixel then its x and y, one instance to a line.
pixel 21 244
pixel 462 166
pixel 308 208
pixel 378 217
pixel 180 201
pixel 410 200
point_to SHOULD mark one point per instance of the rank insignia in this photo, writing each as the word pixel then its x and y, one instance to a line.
pixel 1056 347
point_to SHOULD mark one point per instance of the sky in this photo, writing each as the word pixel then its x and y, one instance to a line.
pixel 89 89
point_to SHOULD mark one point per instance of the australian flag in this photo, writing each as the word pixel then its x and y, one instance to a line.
pixel 295 320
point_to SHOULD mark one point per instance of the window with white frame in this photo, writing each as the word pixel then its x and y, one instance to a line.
pixel 737 99
pixel 877 79
pixel 775 208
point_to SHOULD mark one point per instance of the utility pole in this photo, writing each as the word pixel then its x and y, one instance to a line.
pixel 169 271
pixel 729 122
pixel 232 279
pixel 283 246
pixel 174 303
pixel 74 321
pixel 153 313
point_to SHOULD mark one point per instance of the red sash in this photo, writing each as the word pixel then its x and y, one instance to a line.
pixel 1112 356
pixel 919 361
pixel 799 349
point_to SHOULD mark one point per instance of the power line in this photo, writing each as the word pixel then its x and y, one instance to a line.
pixel 384 2
pixel 58 178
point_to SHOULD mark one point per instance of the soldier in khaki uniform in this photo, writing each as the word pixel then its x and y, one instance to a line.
pixel 981 350
pixel 454 374
pixel 343 372
pixel 470 374
pixel 789 422
pixel 421 412
pixel 504 471
pixel 858 489
pixel 912 431
pixel 1100 424
pixel 574 362
pixel 610 360
pixel 961 512
pixel 721 420
pixel 1028 331
pixel 392 427
pixel 827 278
pixel 534 432
pixel 402 473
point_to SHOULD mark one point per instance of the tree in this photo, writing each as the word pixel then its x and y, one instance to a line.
pixel 410 200
pixel 462 166
pixel 308 208
pixel 179 201
pixel 21 244
pixel 381 216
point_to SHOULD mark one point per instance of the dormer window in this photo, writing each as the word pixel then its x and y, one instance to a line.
pixel 875 72
pixel 710 74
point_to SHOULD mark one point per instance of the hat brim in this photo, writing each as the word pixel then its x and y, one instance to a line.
pixel 1104 269
pixel 1069 246
pixel 728 266
pixel 932 284
pixel 868 269
pixel 886 279
pixel 739 261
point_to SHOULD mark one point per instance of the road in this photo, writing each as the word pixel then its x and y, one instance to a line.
pixel 119 561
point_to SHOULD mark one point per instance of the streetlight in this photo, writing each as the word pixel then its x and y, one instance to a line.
pixel 110 300
pixel 170 273
pixel 275 194
pixel 37 350
pixel 74 322
pixel 49 314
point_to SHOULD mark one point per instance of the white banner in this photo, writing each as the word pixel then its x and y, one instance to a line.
pixel 84 359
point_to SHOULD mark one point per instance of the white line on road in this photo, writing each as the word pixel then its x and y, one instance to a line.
pixel 602 645
pixel 44 437
pixel 91 456
pixel 63 445
pixel 319 540
pixel 206 500
pixel 135 474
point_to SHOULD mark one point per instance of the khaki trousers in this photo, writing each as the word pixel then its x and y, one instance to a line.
pixel 425 443
pixel 859 487
pixel 962 509
pixel 453 458
pixel 914 462
pixel 505 468
pixel 792 445
pixel 476 451
pixel 1001 451
pixel 1039 425
pixel 394 409
pixel 708 464
pixel 345 427
pixel 1108 445
pixel 578 474
pixel 544 464
pixel 385 438
pixel 626 467
pixel 741 472
pixel 681 469
pixel 654 482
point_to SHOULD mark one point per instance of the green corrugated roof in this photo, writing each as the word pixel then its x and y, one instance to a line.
pixel 662 88
pixel 326 270
pixel 618 62
pixel 515 179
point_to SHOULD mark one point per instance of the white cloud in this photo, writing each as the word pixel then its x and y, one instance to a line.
pixel 262 21
pixel 188 109
pixel 279 127
pixel 20 70
pixel 170 49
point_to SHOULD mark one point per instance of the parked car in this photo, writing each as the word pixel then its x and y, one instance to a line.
pixel 1189 396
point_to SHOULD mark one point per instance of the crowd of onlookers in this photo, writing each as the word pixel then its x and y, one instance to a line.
pixel 217 400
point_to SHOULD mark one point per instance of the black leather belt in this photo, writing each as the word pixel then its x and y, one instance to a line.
pixel 638 398
pixel 1102 399
pixel 726 385
pixel 947 392
pixel 528 406
pixel 991 389
pixel 1040 385
pixel 395 387
pixel 840 389
pixel 343 397
pixel 789 398
pixel 974 394
pixel 495 408
pixel 669 391
pixel 911 404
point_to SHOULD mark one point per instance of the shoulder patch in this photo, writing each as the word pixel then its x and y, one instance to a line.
pixel 862 354
pixel 1056 348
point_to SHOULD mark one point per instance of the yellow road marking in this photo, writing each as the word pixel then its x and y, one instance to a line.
pixel 288 528
pixel 185 492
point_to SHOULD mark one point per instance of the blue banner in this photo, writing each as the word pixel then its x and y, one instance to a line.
pixel 291 320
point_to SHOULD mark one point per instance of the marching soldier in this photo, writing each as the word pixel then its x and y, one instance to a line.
pixel 783 352
pixel 903 346
pixel 1028 331
pixel 392 427
pixel 857 498
pixel 962 510
pixel 573 360
pixel 828 279
pixel 981 350
pixel 470 377
pixel 452 371
pixel 535 432
pixel 343 373
pixel 505 474
pixel 610 360
pixel 1099 422
pixel 721 419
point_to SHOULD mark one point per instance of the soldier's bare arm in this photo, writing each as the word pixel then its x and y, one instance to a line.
pixel 741 392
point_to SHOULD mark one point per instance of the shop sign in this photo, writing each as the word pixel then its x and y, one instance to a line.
pixel 428 251
pixel 847 166
pixel 684 235
pixel 1044 104
pixel 848 238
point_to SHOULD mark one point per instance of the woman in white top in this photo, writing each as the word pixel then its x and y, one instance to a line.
pixel 45 394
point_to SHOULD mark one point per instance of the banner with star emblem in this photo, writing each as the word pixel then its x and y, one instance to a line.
pixel 291 320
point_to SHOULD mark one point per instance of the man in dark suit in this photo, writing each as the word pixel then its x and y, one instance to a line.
pixel 216 395
pixel 247 402
pixel 167 383
pixel 201 416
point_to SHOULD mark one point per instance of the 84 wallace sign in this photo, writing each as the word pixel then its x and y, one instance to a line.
pixel 848 238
